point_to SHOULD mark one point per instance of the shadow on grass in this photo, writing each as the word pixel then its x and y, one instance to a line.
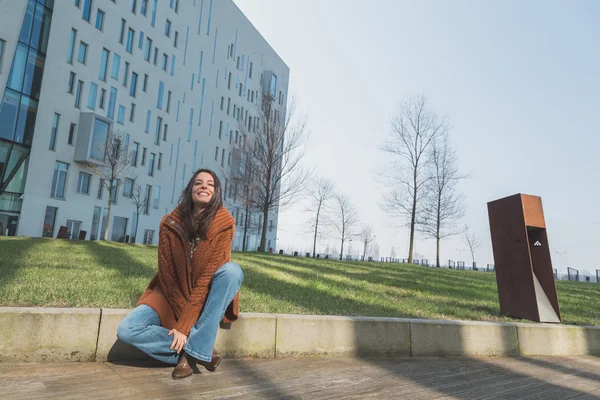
pixel 17 257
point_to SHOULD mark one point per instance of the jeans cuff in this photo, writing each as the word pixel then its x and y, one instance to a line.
pixel 196 355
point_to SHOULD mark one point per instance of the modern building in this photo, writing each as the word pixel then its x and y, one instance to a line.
pixel 177 78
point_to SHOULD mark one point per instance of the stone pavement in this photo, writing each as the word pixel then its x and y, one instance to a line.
pixel 315 378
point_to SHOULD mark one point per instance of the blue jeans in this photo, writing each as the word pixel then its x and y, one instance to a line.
pixel 141 327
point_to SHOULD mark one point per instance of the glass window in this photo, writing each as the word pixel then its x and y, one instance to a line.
pixel 121 115
pixel 165 133
pixel 189 136
pixel 145 88
pixel 148 116
pixel 78 94
pixel 59 180
pixel 53 132
pixel 102 98
pixel 100 189
pixel 126 74
pixel 122 34
pixel 134 153
pixel 144 156
pixel 154 4
pixel 128 187
pixel 132 113
pixel 130 39
pixel 116 66
pixel 134 6
pixel 72 46
pixel 115 191
pixel 33 74
pixel 165 62
pixel 26 120
pixel 73 229
pixel 100 20
pixel 159 166
pixel 133 88
pixel 99 137
pixel 217 153
pixel 41 28
pixel 92 96
pixel 175 39
pixel 72 130
pixel 104 64
pixel 82 56
pixel 87 10
pixel 148 236
pixel 112 101
pixel 147 49
pixel 95 223
pixel 2 46
pixel 161 91
pixel 151 164
pixel 168 28
pixel 147 202
pixel 156 197
pixel 27 23
pixel 159 121
pixel 168 101
pixel 273 86
pixel 141 40
pixel 71 85
pixel 144 7
pixel 172 65
pixel 84 182
pixel 49 221
pixel 17 71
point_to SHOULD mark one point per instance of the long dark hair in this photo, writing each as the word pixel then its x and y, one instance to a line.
pixel 186 207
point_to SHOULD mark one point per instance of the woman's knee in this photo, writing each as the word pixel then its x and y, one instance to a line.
pixel 125 330
pixel 231 271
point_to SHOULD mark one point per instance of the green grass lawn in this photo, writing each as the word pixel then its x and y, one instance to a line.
pixel 63 273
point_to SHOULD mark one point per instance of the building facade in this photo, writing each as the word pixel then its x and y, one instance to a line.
pixel 178 80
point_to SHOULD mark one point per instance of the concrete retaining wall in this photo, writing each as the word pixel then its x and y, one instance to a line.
pixel 54 334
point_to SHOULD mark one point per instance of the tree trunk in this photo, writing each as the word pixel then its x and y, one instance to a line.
pixel 412 220
pixel 137 223
pixel 342 251
pixel 365 252
pixel 437 252
pixel 108 215
pixel 247 215
pixel 316 229
pixel 263 236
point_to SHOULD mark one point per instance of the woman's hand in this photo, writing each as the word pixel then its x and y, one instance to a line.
pixel 179 340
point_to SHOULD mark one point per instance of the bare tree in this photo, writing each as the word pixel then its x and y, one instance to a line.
pixel 367 236
pixel 414 129
pixel 114 168
pixel 376 251
pixel 442 204
pixel 140 201
pixel 321 193
pixel 244 188
pixel 347 217
pixel 277 144
pixel 471 240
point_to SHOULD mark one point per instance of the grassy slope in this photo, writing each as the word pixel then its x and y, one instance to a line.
pixel 62 273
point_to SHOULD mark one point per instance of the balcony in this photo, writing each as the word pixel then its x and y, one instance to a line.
pixel 92 134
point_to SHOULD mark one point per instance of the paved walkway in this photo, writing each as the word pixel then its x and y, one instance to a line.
pixel 325 378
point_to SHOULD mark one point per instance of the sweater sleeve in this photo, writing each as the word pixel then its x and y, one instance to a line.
pixel 221 254
pixel 168 283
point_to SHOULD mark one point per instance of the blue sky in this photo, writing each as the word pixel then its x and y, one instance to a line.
pixel 519 80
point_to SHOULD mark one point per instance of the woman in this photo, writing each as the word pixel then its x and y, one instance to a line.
pixel 177 318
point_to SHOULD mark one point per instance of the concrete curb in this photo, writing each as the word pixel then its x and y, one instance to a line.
pixel 68 334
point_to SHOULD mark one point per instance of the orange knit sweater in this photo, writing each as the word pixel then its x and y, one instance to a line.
pixel 179 290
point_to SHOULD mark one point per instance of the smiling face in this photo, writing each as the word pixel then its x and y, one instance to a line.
pixel 203 189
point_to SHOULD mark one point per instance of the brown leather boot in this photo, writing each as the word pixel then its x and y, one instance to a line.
pixel 185 367
pixel 214 362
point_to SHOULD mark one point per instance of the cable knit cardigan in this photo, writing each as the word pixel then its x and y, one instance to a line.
pixel 179 290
